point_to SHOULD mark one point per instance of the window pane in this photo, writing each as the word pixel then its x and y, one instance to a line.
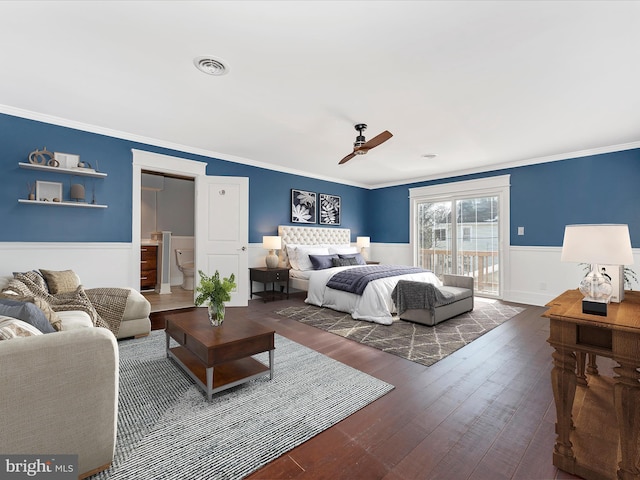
pixel 434 235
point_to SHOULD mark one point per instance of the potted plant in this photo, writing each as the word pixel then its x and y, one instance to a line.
pixel 215 292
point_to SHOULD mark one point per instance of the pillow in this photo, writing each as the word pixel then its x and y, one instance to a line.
pixel 344 262
pixel 343 249
pixel 302 255
pixel 320 262
pixel 27 312
pixel 360 259
pixel 39 302
pixel 64 281
pixel 291 253
pixel 12 328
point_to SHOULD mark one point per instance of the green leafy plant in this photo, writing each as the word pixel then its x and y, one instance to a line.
pixel 213 289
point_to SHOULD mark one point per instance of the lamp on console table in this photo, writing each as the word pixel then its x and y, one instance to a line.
pixel 272 243
pixel 604 244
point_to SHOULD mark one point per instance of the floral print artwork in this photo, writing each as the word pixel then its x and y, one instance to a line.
pixel 303 206
pixel 329 209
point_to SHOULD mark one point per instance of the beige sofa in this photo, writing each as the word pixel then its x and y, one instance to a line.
pixel 135 321
pixel 59 395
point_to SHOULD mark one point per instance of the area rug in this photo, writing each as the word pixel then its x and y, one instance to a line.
pixel 168 430
pixel 415 342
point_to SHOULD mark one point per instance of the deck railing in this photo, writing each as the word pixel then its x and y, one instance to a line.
pixel 482 266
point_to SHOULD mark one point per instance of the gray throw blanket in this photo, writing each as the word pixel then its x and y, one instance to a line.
pixel 356 279
pixel 409 295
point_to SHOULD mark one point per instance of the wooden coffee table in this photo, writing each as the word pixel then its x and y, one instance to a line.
pixel 217 358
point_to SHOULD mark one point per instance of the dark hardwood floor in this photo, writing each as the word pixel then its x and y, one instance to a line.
pixel 484 412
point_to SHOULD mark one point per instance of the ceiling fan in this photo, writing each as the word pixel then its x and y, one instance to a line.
pixel 361 146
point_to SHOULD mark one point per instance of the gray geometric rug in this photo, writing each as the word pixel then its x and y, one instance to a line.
pixel 415 342
pixel 168 430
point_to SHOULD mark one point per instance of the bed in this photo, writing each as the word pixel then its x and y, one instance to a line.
pixel 301 246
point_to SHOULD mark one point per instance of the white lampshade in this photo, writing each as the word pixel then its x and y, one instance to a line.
pixel 604 244
pixel 271 242
pixel 363 242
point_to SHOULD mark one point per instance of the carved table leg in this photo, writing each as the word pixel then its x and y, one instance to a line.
pixel 563 382
pixel 626 391
pixel 581 358
pixel 592 367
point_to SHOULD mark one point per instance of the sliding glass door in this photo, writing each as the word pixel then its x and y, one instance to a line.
pixel 460 234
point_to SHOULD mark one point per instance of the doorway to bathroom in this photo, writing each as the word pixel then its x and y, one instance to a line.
pixel 167 225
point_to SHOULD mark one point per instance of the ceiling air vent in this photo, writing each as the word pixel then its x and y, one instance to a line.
pixel 211 66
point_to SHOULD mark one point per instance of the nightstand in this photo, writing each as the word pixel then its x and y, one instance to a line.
pixel 266 275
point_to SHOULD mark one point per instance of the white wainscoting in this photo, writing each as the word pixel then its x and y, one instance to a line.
pixel 536 273
pixel 97 264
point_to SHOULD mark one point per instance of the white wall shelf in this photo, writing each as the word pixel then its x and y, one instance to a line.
pixel 86 172
pixel 62 204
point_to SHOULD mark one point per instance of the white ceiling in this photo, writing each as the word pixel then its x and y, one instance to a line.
pixel 481 84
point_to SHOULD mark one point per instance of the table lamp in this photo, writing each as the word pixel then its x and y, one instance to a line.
pixel 272 243
pixel 362 243
pixel 604 244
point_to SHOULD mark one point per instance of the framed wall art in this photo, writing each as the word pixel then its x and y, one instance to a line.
pixel 303 206
pixel 48 191
pixel 329 209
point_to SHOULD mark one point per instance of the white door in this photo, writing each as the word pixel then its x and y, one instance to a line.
pixel 222 231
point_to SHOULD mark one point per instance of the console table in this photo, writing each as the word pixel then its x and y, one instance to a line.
pixel 597 430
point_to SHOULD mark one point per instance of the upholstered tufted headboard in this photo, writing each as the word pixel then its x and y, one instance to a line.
pixel 311 236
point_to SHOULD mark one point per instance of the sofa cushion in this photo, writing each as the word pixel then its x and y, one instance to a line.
pixel 12 328
pixel 458 292
pixel 74 319
pixel 27 312
pixel 35 276
pixel 64 281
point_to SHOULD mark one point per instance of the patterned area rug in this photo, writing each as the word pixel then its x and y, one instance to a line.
pixel 168 430
pixel 415 342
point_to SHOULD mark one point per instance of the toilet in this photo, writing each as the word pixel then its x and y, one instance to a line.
pixel 184 259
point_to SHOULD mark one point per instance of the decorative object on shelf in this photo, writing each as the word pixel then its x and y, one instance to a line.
pixel 329 209
pixel 271 243
pixel 303 206
pixel 48 191
pixel 32 190
pixel 77 192
pixel 363 243
pixel 67 160
pixel 215 292
pixel 604 244
pixel 40 157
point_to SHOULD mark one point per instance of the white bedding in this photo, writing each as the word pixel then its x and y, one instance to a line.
pixel 374 305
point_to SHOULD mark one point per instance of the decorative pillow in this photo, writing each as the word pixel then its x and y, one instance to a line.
pixel 344 262
pixel 302 255
pixel 291 253
pixel 320 262
pixel 359 258
pixel 27 312
pixel 64 281
pixel 343 249
pixel 12 328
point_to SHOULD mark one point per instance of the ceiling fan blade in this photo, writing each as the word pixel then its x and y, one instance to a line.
pixel 347 158
pixel 377 140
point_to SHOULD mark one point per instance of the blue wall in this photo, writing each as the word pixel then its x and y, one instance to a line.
pixel 269 191
pixel 544 198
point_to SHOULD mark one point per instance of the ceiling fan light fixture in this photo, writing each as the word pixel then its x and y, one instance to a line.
pixel 211 65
